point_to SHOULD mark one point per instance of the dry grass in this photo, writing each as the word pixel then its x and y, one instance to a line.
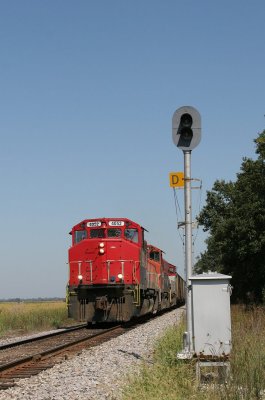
pixel 23 317
pixel 248 355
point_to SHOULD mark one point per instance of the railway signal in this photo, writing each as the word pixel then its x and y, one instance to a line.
pixel 186 128
pixel 186 135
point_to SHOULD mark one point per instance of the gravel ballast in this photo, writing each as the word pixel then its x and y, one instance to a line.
pixel 97 373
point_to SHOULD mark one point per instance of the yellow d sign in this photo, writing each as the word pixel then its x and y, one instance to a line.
pixel 176 179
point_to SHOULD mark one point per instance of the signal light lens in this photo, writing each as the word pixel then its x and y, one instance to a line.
pixel 101 244
pixel 80 277
pixel 186 120
pixel 102 251
pixel 186 134
pixel 120 276
pixel 185 130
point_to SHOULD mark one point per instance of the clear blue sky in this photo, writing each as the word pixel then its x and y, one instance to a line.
pixel 87 94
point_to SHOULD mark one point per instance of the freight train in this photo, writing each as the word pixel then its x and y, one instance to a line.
pixel 114 275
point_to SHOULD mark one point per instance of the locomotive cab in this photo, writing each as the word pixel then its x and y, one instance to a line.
pixel 105 252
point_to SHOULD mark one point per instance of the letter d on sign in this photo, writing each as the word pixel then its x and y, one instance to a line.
pixel 176 179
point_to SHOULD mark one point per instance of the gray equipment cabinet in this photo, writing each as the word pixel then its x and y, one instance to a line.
pixel 211 314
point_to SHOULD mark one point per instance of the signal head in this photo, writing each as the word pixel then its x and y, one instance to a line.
pixel 186 128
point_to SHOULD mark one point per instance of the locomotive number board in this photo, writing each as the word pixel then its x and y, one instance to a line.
pixel 116 223
pixel 93 224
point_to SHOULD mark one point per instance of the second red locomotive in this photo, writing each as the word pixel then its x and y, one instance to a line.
pixel 115 275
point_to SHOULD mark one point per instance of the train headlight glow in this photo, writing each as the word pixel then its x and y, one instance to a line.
pixel 102 251
pixel 120 276
pixel 101 244
pixel 80 277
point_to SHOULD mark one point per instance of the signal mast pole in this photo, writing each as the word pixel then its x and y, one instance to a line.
pixel 188 247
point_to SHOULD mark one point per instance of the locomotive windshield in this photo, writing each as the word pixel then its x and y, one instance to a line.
pixel 131 234
pixel 80 235
pixel 154 255
pixel 114 232
pixel 97 233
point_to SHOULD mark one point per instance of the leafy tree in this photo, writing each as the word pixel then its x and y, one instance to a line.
pixel 234 216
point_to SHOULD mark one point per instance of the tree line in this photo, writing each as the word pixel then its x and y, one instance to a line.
pixel 31 300
pixel 234 217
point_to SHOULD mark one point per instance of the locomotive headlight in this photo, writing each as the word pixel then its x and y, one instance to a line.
pixel 80 277
pixel 101 245
pixel 102 251
pixel 120 276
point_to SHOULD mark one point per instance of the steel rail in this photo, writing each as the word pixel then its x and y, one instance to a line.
pixel 40 337
pixel 38 356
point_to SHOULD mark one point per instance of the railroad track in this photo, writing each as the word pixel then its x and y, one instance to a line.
pixel 42 336
pixel 31 356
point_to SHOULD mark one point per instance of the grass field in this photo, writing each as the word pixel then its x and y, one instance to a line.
pixel 23 317
pixel 171 379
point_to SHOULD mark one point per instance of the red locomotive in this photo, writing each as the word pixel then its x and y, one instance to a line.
pixel 115 275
